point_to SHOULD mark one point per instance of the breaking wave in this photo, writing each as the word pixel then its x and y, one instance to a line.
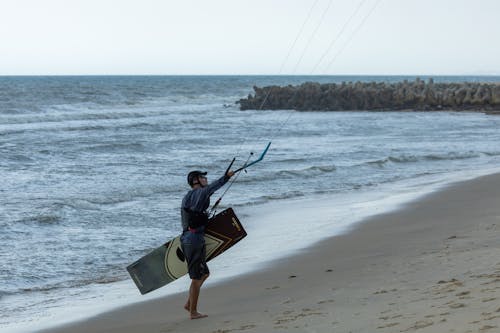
pixel 428 157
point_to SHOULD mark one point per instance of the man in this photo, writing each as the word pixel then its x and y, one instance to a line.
pixel 194 220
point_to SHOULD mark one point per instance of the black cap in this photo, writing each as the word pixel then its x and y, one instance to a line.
pixel 193 175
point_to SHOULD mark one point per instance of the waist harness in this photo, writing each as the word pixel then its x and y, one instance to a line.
pixel 192 220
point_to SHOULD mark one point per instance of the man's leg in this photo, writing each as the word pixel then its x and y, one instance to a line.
pixel 197 267
pixel 194 293
pixel 187 306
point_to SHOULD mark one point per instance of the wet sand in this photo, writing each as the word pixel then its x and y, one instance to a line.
pixel 431 266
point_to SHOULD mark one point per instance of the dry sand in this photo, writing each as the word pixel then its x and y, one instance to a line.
pixel 432 266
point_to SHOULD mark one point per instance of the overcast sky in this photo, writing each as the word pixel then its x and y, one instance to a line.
pixel 434 37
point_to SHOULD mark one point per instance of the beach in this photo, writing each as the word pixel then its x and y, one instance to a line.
pixel 99 182
pixel 367 165
pixel 430 266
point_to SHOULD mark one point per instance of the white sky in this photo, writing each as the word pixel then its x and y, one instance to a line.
pixel 434 37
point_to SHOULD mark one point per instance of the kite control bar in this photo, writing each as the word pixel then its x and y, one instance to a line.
pixel 247 164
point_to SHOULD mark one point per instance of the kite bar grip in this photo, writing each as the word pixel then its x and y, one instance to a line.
pixel 257 160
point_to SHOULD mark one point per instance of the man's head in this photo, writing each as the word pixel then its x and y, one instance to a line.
pixel 197 178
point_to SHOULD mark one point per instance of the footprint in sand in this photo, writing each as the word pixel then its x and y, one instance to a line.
pixel 489 316
pixel 488 299
pixel 326 301
pixel 463 293
pixel 380 292
pixel 393 317
pixel 452 281
pixel 445 287
pixel 241 328
pixel 388 325
pixel 290 316
pixel 273 287
pixel 488 290
pixel 419 325
pixel 457 305
pixel 496 280
pixel 247 327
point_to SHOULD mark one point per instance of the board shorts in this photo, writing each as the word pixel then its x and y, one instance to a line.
pixel 194 249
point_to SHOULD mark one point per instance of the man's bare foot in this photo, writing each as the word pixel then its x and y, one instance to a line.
pixel 198 315
pixel 186 307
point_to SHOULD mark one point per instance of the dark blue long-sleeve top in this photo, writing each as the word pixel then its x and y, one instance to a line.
pixel 198 200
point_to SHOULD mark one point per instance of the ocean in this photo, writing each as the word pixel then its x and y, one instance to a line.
pixel 94 168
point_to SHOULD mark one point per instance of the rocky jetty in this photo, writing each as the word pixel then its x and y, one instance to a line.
pixel 416 95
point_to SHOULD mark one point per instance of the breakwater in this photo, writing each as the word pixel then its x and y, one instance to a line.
pixel 418 95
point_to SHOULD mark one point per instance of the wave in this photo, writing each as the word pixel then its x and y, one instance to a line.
pixel 491 153
pixel 282 196
pixel 17 158
pixel 71 284
pixel 118 146
pixel 55 212
pixel 452 156
pixel 292 160
pixel 427 157
pixel 86 112
pixel 119 197
pixel 4 294
pixel 312 171
pixel 58 117
pixel 42 219
pixel 266 198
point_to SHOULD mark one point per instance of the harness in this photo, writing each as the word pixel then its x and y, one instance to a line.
pixel 193 221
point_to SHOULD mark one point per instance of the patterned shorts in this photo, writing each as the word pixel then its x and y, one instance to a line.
pixel 193 246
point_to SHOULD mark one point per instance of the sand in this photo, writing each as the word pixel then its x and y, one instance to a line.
pixel 431 266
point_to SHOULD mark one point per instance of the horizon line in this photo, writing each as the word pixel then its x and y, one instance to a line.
pixel 239 75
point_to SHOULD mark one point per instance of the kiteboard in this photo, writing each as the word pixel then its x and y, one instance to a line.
pixel 167 262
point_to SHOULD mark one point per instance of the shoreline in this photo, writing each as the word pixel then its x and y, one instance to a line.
pixel 395 271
